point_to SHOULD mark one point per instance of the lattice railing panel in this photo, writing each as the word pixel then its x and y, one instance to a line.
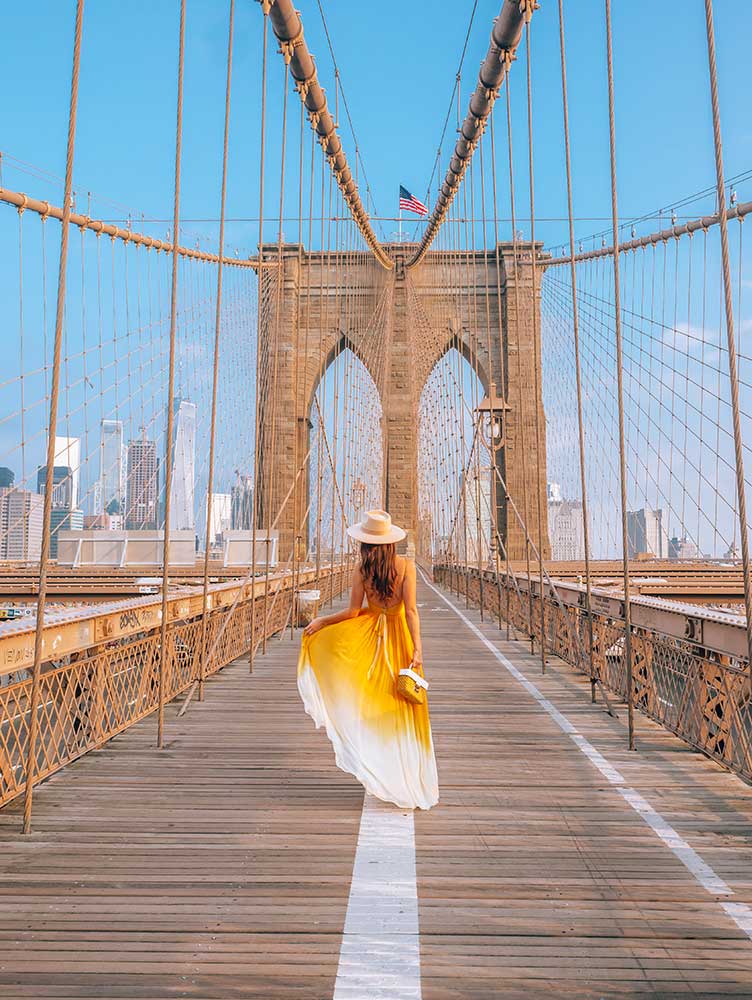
pixel 86 702
pixel 687 689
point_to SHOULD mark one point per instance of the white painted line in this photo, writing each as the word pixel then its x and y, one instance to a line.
pixel 742 914
pixel 702 872
pixel 597 759
pixel 380 954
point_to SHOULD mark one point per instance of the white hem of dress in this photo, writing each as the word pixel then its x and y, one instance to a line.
pixel 336 743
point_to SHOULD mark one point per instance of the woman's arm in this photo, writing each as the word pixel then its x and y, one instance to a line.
pixel 357 592
pixel 411 613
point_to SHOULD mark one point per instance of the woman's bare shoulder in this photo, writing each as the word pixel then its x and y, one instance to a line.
pixel 403 564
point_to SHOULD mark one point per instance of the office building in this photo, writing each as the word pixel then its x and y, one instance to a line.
pixel 683 548
pixel 142 485
pixel 62 486
pixel 221 516
pixel 21 517
pixel 7 478
pixel 68 455
pixel 63 520
pixel 565 526
pixel 241 504
pixel 65 488
pixel 646 534
pixel 111 490
pixel 182 511
pixel 103 522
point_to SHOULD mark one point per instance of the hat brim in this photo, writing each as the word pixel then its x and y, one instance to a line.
pixel 394 534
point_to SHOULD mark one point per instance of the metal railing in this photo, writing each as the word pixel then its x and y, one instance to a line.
pixel 100 671
pixel 689 667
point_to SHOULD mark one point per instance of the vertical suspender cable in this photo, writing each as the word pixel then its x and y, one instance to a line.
pixel 256 477
pixel 491 452
pixel 730 336
pixel 215 372
pixel 54 393
pixel 520 416
pixel 474 339
pixel 620 384
pixel 171 384
pixel 503 391
pixel 296 378
pixel 576 334
pixel 537 370
pixel 322 354
pixel 271 440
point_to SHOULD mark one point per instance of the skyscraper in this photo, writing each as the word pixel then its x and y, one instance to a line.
pixel 182 513
pixel 646 534
pixel 111 498
pixel 565 528
pixel 142 485
pixel 221 516
pixel 62 486
pixel 21 514
pixel 68 453
pixel 65 484
pixel 241 504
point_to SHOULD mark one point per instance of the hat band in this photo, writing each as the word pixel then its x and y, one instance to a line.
pixel 381 529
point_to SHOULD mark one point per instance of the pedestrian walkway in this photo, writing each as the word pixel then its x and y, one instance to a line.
pixel 228 865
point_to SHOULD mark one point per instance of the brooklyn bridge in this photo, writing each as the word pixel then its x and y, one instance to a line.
pixel 556 405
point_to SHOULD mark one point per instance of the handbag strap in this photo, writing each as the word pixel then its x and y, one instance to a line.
pixel 419 680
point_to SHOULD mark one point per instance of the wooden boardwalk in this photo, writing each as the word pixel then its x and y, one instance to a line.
pixel 556 865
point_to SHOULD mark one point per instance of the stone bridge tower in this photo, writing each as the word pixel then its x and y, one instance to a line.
pixel 423 322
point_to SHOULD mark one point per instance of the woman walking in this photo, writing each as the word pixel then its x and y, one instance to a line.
pixel 348 670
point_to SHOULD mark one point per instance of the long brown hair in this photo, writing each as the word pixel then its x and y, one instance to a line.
pixel 378 566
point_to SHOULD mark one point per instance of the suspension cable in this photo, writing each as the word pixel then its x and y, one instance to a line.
pixel 163 654
pixel 31 760
pixel 576 336
pixel 728 294
pixel 620 384
pixel 505 36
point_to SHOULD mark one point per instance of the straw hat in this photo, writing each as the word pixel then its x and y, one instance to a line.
pixel 376 528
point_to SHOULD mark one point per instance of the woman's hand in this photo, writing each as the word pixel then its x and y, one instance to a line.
pixel 314 626
pixel 417 661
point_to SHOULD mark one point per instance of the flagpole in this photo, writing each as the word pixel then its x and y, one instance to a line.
pixel 400 226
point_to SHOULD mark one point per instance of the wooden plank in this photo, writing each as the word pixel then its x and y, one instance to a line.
pixel 221 866
pixel 218 867
pixel 536 878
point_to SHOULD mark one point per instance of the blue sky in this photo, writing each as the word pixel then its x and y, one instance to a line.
pixel 397 63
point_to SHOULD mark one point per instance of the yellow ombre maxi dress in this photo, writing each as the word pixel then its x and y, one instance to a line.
pixel 347 678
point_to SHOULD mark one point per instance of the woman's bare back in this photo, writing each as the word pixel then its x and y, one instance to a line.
pixel 396 598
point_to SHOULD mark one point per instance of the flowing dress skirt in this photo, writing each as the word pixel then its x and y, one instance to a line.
pixel 347 679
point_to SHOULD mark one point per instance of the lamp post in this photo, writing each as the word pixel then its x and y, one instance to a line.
pixel 491 412
pixel 358 496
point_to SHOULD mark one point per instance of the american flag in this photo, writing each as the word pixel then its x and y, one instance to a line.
pixel 410 203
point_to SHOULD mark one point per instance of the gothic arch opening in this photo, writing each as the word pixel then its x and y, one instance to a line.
pixel 456 495
pixel 346 436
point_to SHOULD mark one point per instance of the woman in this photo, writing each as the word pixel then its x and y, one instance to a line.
pixel 347 674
